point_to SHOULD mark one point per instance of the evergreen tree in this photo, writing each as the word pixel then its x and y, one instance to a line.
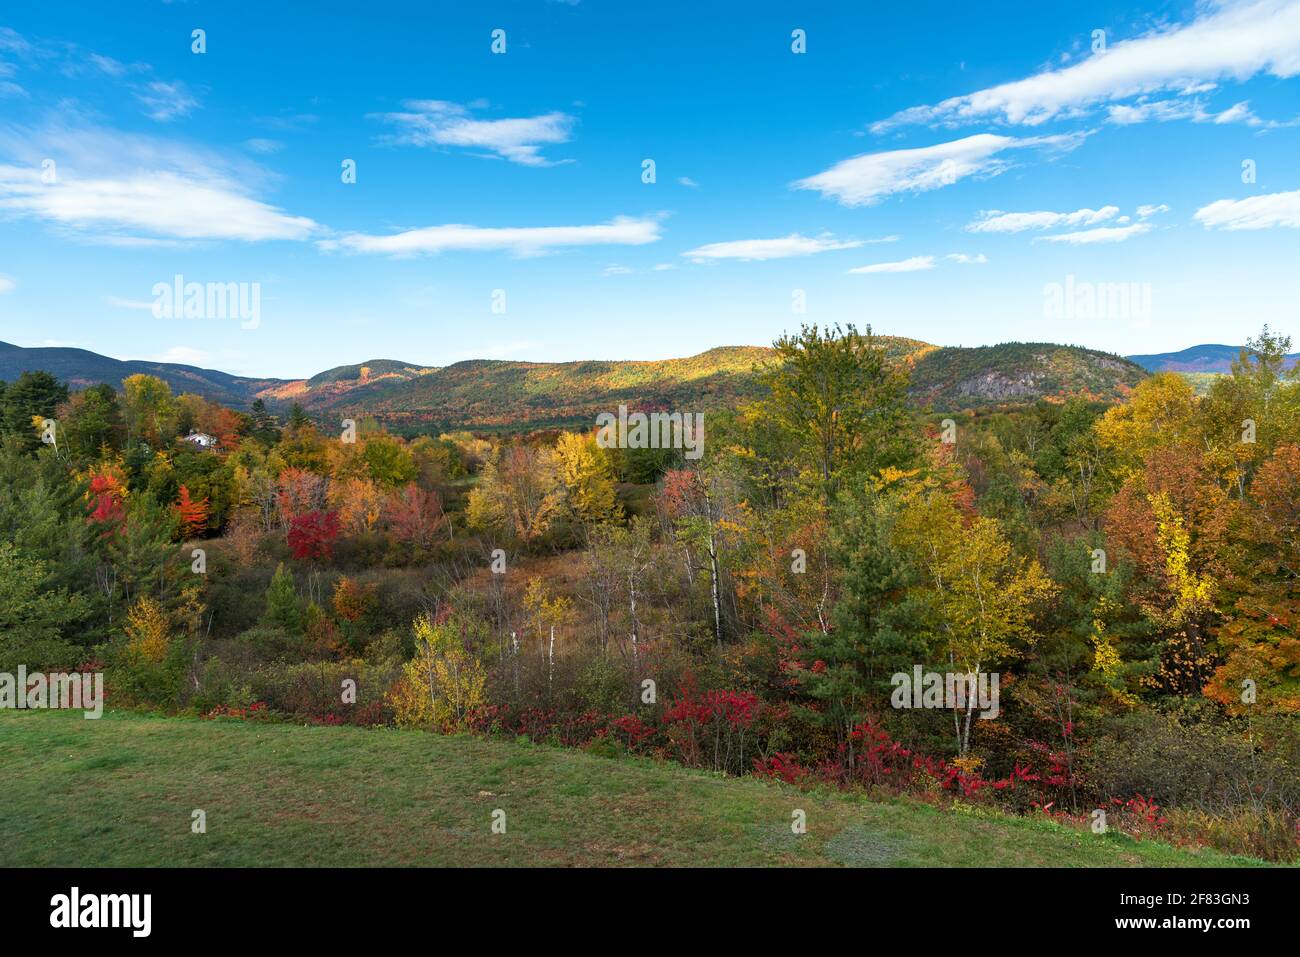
pixel 35 394
pixel 283 609
pixel 298 419
pixel 264 427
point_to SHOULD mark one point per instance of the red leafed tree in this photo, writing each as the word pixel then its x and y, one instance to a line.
pixel 193 515
pixel 106 494
pixel 415 516
pixel 312 534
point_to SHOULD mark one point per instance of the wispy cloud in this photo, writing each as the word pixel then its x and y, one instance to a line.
pixel 1102 234
pixel 14 44
pixel 915 264
pixel 1166 110
pixel 166 101
pixel 996 221
pixel 106 64
pixel 7 284
pixel 523 241
pixel 263 146
pixel 11 41
pixel 1255 212
pixel 440 123
pixel 1227 41
pixel 868 179
pixel 128 189
pixel 978 259
pixel 762 249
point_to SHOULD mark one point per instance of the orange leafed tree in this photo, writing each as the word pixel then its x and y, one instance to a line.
pixel 358 502
pixel 1259 640
pixel 193 514
pixel 415 516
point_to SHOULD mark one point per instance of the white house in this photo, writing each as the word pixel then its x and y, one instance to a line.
pixel 202 440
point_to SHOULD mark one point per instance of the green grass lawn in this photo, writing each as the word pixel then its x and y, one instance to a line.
pixel 120 791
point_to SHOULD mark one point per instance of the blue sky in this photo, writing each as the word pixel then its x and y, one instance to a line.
pixel 929 169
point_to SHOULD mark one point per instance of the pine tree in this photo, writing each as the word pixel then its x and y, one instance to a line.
pixel 298 419
pixel 264 425
pixel 283 609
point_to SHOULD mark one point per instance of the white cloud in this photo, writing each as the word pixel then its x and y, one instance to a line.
pixel 11 41
pixel 15 44
pixel 996 221
pixel 1227 41
pixel 1103 234
pixel 108 65
pixel 915 264
pixel 1163 111
pixel 7 284
pixel 1255 212
pixel 687 181
pixel 867 179
pixel 518 139
pixel 125 189
pixel 661 267
pixel 763 249
pixel 263 145
pixel 1147 210
pixel 616 271
pixel 166 101
pixel 523 241
pixel 978 259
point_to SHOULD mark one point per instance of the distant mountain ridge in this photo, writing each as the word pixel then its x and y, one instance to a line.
pixel 1209 357
pixel 81 368
pixel 504 394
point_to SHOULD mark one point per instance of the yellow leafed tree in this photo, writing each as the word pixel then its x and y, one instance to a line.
pixel 444 683
pixel 147 631
pixel 588 478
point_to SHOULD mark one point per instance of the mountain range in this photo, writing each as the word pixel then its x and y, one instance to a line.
pixel 503 394
pixel 1210 357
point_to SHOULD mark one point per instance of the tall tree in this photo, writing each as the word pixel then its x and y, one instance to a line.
pixel 840 400
pixel 150 410
pixel 36 395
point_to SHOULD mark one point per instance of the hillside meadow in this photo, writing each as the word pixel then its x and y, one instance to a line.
pixel 121 791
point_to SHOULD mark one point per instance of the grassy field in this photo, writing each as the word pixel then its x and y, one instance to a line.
pixel 120 791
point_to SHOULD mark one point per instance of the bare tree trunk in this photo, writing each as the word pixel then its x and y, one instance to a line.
pixel 631 592
pixel 971 692
pixel 514 645
pixel 713 584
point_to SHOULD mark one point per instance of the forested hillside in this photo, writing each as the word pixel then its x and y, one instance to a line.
pixel 1080 608
pixel 513 395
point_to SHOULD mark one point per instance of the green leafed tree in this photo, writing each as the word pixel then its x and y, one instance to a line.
pixel 840 401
